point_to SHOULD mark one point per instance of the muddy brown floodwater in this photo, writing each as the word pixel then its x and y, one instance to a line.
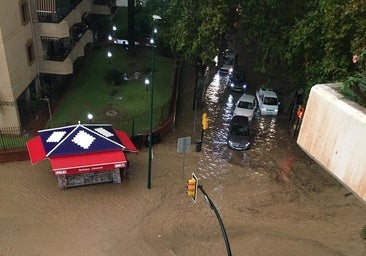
pixel 273 200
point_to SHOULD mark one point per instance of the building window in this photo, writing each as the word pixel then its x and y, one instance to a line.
pixel 29 47
pixel 24 12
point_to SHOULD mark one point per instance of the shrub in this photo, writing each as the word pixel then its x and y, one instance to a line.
pixel 146 70
pixel 114 76
pixel 354 87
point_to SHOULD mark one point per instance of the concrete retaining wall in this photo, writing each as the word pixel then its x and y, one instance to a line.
pixel 333 133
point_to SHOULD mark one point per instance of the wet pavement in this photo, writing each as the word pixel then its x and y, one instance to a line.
pixel 272 147
pixel 272 198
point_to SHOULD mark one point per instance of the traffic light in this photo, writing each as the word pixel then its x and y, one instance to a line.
pixel 204 121
pixel 192 187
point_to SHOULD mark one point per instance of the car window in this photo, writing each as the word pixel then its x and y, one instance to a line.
pixel 246 104
pixel 270 101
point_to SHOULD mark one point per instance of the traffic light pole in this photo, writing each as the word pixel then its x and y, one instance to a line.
pixel 213 207
pixel 202 135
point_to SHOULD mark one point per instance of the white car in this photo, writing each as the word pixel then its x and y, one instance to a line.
pixel 228 54
pixel 267 101
pixel 227 67
pixel 228 63
pixel 245 106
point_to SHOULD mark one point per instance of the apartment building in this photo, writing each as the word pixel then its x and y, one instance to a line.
pixel 40 42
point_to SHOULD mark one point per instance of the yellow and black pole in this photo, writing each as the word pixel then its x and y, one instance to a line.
pixel 204 127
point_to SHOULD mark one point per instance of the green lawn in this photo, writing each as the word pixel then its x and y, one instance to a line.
pixel 129 102
pixel 91 93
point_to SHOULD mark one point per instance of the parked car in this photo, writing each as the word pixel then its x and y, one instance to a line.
pixel 246 106
pixel 237 81
pixel 267 101
pixel 239 136
pixel 228 66
pixel 229 54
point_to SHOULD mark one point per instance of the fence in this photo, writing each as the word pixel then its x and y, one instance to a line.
pixel 136 126
pixel 15 138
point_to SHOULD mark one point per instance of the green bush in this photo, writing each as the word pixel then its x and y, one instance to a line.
pixel 114 76
pixel 354 87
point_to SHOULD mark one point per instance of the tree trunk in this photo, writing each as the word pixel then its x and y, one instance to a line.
pixel 131 28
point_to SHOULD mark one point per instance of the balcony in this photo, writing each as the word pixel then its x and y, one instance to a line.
pixel 54 11
pixel 61 53
pixel 61 29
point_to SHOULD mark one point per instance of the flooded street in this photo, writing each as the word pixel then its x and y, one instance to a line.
pixel 272 147
pixel 273 199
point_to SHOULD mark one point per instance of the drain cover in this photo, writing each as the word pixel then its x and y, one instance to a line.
pixel 111 113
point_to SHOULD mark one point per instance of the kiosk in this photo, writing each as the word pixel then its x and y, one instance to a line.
pixel 83 154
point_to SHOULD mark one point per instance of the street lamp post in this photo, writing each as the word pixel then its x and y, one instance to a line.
pixel 155 17
pixel 90 117
pixel 109 55
pixel 147 82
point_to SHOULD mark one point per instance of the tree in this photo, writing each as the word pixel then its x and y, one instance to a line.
pixel 131 28
pixel 327 37
pixel 263 31
pixel 296 43
pixel 194 28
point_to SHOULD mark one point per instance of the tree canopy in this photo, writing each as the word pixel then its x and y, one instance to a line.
pixel 305 42
pixel 298 43
pixel 194 29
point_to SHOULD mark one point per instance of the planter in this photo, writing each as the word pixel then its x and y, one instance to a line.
pixel 333 133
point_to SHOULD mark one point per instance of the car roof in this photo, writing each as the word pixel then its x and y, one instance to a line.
pixel 246 97
pixel 269 93
pixel 240 120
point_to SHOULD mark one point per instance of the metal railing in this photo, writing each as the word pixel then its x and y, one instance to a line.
pixel 15 138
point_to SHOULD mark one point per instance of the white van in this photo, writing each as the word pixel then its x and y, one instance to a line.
pixel 267 101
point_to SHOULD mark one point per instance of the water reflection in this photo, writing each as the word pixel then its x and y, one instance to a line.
pixel 269 136
pixel 265 134
pixel 219 107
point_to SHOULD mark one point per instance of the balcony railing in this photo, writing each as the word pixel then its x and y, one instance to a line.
pixel 56 12
pixel 58 49
pixel 57 17
pixel 62 53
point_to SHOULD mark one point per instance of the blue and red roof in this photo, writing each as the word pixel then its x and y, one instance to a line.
pixel 80 146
